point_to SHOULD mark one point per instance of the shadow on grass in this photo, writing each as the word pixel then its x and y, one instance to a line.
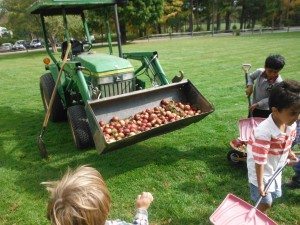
pixel 20 153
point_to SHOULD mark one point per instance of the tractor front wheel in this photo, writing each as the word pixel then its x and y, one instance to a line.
pixel 80 128
pixel 47 85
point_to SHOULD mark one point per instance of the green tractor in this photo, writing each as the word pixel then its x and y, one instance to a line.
pixel 89 88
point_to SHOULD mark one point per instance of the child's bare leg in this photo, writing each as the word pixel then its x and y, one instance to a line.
pixel 263 207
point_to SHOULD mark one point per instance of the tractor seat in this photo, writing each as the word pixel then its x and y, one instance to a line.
pixel 76 48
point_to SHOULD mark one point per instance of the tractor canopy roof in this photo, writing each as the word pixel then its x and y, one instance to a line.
pixel 54 7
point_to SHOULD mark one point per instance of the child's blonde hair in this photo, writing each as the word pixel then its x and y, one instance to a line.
pixel 79 198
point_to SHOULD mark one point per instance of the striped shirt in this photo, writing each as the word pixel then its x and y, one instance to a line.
pixel 270 147
pixel 141 218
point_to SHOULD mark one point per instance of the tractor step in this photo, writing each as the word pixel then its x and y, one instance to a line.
pixel 126 105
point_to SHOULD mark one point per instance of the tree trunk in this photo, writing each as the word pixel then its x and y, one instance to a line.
pixel 159 28
pixel 281 20
pixel 227 21
pixel 123 32
pixel 242 18
pixel 253 23
pixel 208 23
pixel 53 43
pixel 218 21
pixel 142 32
pixel 191 17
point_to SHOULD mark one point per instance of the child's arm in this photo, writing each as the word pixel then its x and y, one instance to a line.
pixel 250 81
pixel 294 159
pixel 143 202
pixel 262 103
pixel 259 168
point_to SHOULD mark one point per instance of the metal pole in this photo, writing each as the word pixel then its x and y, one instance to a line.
pixel 46 40
pixel 118 30
pixel 86 29
pixel 67 35
pixel 108 34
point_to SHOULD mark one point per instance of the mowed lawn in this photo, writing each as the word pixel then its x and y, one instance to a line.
pixel 186 170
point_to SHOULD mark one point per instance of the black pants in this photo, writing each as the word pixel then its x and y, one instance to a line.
pixel 261 113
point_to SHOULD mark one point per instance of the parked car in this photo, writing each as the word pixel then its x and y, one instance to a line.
pixel 36 43
pixel 5 47
pixel 25 43
pixel 19 45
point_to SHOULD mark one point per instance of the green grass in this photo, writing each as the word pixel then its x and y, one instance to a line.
pixel 186 170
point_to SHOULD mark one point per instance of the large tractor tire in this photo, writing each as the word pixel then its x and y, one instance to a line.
pixel 47 84
pixel 80 128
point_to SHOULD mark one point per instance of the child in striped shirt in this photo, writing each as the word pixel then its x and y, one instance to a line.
pixel 270 144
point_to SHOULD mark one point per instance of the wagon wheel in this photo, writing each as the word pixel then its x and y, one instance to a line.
pixel 80 128
pixel 47 84
pixel 235 157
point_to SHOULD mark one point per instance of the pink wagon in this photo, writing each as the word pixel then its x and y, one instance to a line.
pixel 238 152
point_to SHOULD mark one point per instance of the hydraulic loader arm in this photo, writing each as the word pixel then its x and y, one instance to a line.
pixel 150 62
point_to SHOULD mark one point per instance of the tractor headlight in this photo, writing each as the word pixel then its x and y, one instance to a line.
pixel 46 61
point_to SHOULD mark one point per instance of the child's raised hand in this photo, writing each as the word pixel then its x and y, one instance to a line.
pixel 144 200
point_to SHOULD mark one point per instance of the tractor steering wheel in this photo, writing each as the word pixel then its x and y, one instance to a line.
pixel 77 47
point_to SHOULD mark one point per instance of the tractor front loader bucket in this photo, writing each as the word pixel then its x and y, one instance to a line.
pixel 127 105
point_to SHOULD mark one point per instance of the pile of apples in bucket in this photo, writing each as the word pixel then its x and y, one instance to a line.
pixel 169 111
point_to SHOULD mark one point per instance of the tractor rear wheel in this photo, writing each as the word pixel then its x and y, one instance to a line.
pixel 47 85
pixel 80 128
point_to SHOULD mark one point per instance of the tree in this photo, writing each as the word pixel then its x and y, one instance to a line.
pixel 55 29
pixel 25 25
pixel 252 10
pixel 19 21
pixel 273 13
pixel 208 12
pixel 227 8
pixel 141 15
pixel 256 11
pixel 173 13
pixel 289 10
